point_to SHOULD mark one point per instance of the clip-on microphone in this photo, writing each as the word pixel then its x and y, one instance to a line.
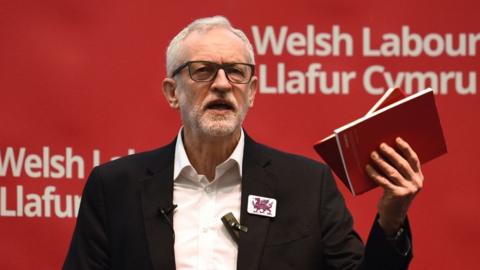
pixel 164 213
pixel 233 226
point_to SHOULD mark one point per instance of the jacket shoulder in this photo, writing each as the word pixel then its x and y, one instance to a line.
pixel 139 164
pixel 288 160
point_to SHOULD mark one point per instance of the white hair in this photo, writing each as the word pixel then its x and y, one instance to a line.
pixel 203 25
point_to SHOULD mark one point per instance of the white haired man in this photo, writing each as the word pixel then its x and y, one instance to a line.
pixel 129 217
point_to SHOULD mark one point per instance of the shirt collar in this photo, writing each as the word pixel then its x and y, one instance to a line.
pixel 181 159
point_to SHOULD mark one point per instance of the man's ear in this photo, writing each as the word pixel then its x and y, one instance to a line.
pixel 170 92
pixel 252 91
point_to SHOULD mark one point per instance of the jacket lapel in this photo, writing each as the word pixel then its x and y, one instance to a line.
pixel 156 194
pixel 256 180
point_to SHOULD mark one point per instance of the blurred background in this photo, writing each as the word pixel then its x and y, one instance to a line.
pixel 80 83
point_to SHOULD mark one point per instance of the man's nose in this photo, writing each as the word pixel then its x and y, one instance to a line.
pixel 221 82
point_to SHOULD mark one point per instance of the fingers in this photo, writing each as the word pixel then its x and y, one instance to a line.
pixel 409 154
pixel 391 173
pixel 413 160
pixel 398 161
pixel 378 178
pixel 401 168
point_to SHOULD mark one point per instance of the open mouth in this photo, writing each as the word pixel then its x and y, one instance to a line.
pixel 219 105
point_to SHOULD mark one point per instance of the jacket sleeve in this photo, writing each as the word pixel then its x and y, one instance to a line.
pixel 381 253
pixel 89 245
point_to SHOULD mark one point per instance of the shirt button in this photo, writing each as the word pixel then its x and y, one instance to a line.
pixel 205 230
pixel 208 189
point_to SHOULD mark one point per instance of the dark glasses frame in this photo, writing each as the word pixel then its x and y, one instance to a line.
pixel 224 66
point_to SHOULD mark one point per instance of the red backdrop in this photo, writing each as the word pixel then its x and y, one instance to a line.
pixel 80 83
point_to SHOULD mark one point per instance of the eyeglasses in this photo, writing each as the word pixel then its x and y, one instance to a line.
pixel 204 71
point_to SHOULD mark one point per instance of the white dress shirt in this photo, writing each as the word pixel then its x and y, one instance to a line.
pixel 201 240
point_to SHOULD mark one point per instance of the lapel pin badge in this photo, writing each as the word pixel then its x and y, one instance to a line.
pixel 261 206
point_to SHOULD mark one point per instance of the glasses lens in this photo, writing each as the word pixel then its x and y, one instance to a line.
pixel 202 71
pixel 238 73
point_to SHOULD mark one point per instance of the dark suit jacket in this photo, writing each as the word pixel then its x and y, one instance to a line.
pixel 119 225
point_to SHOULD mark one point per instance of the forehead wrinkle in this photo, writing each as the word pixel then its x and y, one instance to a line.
pixel 216 45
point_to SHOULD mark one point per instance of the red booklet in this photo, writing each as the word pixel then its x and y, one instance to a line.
pixel 413 118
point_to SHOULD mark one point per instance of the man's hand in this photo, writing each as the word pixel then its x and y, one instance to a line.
pixel 398 172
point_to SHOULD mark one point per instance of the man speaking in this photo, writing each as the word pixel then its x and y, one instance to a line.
pixel 163 209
